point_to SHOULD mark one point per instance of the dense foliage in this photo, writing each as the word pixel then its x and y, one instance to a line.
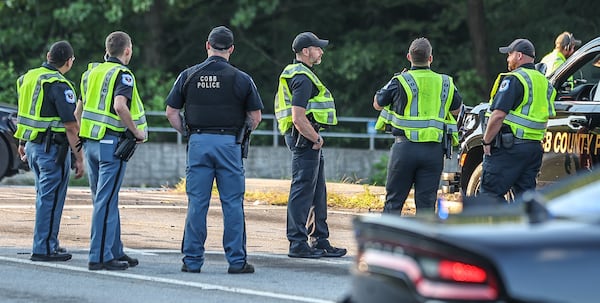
pixel 369 38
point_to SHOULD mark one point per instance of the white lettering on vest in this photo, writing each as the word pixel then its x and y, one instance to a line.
pixel 209 82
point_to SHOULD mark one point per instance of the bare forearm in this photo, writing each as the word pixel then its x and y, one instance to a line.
pixel 494 125
pixel 174 118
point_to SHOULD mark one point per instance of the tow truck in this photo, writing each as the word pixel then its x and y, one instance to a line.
pixel 572 140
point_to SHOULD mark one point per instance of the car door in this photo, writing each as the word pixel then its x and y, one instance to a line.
pixel 572 142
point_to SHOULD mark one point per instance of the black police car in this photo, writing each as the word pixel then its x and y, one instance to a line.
pixel 572 142
pixel 10 162
pixel 542 249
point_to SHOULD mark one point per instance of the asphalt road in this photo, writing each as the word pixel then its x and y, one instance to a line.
pixel 152 227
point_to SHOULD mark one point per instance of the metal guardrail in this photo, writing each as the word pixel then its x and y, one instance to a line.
pixel 370 132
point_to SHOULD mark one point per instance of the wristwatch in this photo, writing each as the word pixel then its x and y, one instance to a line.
pixel 484 143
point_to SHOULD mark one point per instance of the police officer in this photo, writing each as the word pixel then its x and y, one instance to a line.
pixel 111 105
pixel 303 105
pixel 47 127
pixel 521 102
pixel 218 99
pixel 564 47
pixel 418 105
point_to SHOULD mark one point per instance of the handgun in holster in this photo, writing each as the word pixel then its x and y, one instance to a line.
pixel 126 146
pixel 243 138
pixel 63 147
pixel 447 142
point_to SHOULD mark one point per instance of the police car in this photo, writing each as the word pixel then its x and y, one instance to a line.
pixel 572 141
pixel 10 163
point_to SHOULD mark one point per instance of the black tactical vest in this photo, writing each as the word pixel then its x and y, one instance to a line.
pixel 210 102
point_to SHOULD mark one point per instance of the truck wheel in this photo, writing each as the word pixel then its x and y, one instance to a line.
pixel 475 181
pixel 4 158
pixel 475 184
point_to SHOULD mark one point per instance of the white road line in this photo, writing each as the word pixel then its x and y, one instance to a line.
pixel 206 286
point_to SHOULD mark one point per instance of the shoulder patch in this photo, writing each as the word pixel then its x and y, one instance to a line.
pixel 504 85
pixel 69 96
pixel 127 79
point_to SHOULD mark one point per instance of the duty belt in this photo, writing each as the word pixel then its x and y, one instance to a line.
pixel 523 141
pixel 111 132
pixel 42 136
pixel 214 131
pixel 399 139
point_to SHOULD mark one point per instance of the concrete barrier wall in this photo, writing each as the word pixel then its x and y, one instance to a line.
pixel 163 164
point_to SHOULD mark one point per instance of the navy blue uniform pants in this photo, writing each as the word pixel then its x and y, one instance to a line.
pixel 105 173
pixel 516 167
pixel 51 181
pixel 307 190
pixel 419 164
pixel 213 157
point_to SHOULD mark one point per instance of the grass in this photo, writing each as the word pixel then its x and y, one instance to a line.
pixel 362 201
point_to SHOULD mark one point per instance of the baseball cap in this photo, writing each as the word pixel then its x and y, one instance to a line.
pixel 220 38
pixel 306 39
pixel 565 39
pixel 519 45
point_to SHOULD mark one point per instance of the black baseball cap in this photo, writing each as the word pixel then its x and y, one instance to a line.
pixel 306 39
pixel 519 45
pixel 220 38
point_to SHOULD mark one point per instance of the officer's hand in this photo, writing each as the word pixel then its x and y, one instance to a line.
pixel 79 168
pixel 140 135
pixel 317 146
pixel 21 151
pixel 487 150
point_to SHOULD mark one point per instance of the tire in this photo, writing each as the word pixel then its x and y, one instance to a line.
pixel 5 159
pixel 475 181
pixel 475 184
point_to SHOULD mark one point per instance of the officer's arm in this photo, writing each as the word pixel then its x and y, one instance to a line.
pixel 72 130
pixel 255 116
pixel 302 124
pixel 174 118
pixel 121 108
pixel 78 111
pixel 376 104
pixel 494 124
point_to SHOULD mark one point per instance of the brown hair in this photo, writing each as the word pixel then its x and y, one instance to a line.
pixel 420 50
pixel 116 43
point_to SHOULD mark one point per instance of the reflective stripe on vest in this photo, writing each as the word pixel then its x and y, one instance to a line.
pixel 321 106
pixel 422 129
pixel 30 98
pixel 98 84
pixel 530 118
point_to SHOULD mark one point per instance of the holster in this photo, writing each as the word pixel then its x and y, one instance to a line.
pixel 508 140
pixel 126 146
pixel 63 147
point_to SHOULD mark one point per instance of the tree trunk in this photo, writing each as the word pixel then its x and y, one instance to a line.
pixel 152 45
pixel 478 34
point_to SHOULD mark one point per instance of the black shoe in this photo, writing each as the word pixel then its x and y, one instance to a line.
pixel 245 269
pixel 306 252
pixel 61 250
pixel 331 251
pixel 132 262
pixel 110 265
pixel 51 258
pixel 184 268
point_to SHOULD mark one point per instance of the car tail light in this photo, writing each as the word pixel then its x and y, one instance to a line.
pixel 433 277
pixel 461 272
